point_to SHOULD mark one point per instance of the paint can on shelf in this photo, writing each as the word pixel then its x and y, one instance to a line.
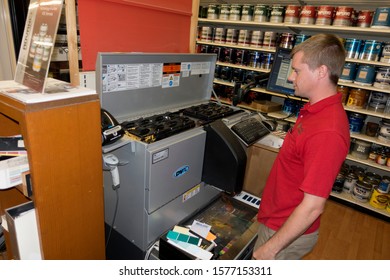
pixel 254 59
pixel 266 61
pixel 385 55
pixel 235 12
pixel 361 149
pixel 213 12
pixel 371 50
pixel 299 38
pixel 269 40
pixel 261 13
pixel 352 47
pixel 220 35
pixel 343 16
pixel 325 15
pixel 365 75
pixel 244 37
pixel 344 90
pixel 356 122
pixel 349 72
pixel 362 191
pixel 277 14
pixel 207 33
pixel 257 38
pixel 224 12
pixel 381 18
pixel 357 98
pixel 364 18
pixel 379 200
pixel 308 14
pixel 247 12
pixel 292 14
pixel 232 36
pixel 286 40
pixel 384 185
pixel 382 79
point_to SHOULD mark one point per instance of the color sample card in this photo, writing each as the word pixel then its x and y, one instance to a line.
pixel 183 237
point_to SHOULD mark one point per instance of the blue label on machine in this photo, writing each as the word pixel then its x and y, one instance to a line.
pixel 181 171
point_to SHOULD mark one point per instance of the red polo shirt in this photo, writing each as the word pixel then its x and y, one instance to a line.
pixel 309 161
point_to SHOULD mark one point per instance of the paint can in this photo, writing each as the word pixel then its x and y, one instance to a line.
pixel 266 61
pixel 344 90
pixel 207 33
pixel 325 15
pixel 244 37
pixel 235 12
pixel 356 122
pixel 357 98
pixel 381 18
pixel 365 75
pixel 361 149
pixel 261 13
pixel 224 12
pixel 286 40
pixel 247 12
pixel 362 191
pixel 382 79
pixel 226 73
pixel 339 182
pixel 308 15
pixel 379 200
pixel 343 16
pixel 350 181
pixel 364 18
pixel 238 75
pixel 269 40
pixel 257 38
pixel 384 185
pixel 232 36
pixel 371 50
pixel 299 38
pixel 352 47
pixel 277 14
pixel 292 14
pixel 254 59
pixel 242 57
pixel 385 55
pixel 349 72
pixel 213 12
pixel 228 55
pixel 220 35
pixel 384 131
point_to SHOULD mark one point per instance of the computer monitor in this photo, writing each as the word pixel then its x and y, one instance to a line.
pixel 281 70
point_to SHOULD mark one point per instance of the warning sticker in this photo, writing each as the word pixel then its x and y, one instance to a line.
pixel 171 75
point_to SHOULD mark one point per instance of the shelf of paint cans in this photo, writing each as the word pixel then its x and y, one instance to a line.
pixel 237 46
pixel 348 197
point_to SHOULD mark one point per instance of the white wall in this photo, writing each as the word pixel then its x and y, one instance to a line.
pixel 7 51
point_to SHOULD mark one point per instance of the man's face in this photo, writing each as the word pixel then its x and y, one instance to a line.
pixel 303 78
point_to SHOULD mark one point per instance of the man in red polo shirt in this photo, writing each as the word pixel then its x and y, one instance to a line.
pixel 306 167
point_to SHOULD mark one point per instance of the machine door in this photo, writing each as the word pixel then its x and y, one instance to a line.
pixel 175 166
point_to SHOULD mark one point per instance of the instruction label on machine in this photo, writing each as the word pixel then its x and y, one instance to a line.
pixel 119 77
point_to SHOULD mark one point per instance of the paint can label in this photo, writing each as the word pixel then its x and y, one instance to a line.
pixel 292 14
pixel 365 75
pixel 352 47
pixel 213 12
pixel 325 15
pixel 385 56
pixel 247 12
pixel 349 72
pixel 382 79
pixel 235 12
pixel 343 16
pixel 364 18
pixel 225 12
pixel 381 18
pixel 277 14
pixel 261 13
pixel 371 50
pixel 308 15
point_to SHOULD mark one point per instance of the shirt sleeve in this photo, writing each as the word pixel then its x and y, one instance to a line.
pixel 323 155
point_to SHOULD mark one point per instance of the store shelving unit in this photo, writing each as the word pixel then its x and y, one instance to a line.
pixel 366 33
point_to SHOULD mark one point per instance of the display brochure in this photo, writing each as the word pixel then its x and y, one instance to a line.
pixel 37 44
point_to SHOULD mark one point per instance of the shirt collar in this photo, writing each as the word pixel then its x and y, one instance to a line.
pixel 323 103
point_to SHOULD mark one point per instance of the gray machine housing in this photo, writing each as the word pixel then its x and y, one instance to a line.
pixel 152 199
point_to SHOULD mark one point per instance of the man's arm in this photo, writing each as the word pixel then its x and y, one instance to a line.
pixel 300 220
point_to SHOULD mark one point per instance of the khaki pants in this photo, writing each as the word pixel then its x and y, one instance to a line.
pixel 295 251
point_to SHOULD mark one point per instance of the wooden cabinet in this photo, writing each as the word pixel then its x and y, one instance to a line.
pixel 63 141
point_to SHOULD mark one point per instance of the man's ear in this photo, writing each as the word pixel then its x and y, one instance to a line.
pixel 322 71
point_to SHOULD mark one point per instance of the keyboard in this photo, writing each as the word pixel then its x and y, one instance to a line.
pixel 250 130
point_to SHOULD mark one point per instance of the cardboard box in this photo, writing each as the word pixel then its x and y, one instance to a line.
pixel 266 106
